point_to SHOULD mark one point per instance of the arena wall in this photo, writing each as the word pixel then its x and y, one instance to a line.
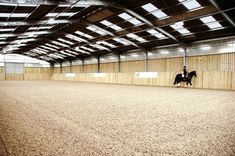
pixel 213 72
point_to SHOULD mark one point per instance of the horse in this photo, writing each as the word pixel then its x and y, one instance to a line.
pixel 188 79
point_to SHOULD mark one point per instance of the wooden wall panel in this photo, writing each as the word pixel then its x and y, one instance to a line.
pixel 90 68
pixel 66 69
pixel 45 70
pixel 204 63
pixel 56 70
pixel 174 64
pixel 213 71
pixel 158 65
pixel 2 73
pixel 132 66
pixel 76 69
pixel 109 67
pixel 15 77
pixel 207 80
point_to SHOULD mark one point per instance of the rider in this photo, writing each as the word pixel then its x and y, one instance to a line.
pixel 185 72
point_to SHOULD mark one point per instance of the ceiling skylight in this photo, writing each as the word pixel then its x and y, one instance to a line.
pixel 179 26
pixel 82 51
pixel 156 34
pixel 122 41
pixel 99 47
pixel 65 41
pixel 83 34
pixel 45 47
pixel 190 4
pixel 211 22
pixel 15 15
pixel 53 46
pixel 89 49
pixel 68 54
pixel 2 42
pixel 130 19
pixel 56 56
pixel 63 14
pixel 7 29
pixel 106 44
pixel 94 29
pixel 37 33
pixel 75 38
pixel 135 37
pixel 59 44
pixel 111 25
pixel 72 52
pixel 154 11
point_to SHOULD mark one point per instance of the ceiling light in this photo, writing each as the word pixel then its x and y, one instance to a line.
pixel 164 52
pixel 205 47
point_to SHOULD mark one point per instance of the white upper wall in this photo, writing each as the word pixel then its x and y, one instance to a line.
pixel 28 61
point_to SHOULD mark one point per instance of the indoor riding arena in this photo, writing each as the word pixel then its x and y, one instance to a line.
pixel 117 78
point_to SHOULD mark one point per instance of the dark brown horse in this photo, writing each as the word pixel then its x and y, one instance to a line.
pixel 187 79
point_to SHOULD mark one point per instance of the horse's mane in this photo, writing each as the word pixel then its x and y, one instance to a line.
pixel 192 73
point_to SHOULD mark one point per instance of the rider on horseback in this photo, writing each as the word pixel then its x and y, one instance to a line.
pixel 185 72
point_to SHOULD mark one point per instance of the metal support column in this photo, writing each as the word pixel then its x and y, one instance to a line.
pixel 119 62
pixel 70 66
pixel 82 68
pixel 52 65
pixel 98 64
pixel 61 71
pixel 185 55
pixel 146 61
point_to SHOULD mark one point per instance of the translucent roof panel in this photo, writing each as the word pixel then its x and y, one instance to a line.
pixel 136 37
pixel 190 4
pixel 179 26
pixel 156 34
pixel 111 25
pixel 130 19
pixel 150 8
pixel 211 22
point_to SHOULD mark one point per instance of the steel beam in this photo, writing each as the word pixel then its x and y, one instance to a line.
pixel 110 33
pixel 82 68
pixel 146 62
pixel 98 64
pixel 148 22
pixel 65 2
pixel 119 62
pixel 224 14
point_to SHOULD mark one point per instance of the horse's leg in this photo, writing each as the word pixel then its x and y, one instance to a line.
pixel 178 84
pixel 186 84
pixel 190 83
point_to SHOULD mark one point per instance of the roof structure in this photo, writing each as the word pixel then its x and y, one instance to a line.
pixel 57 30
